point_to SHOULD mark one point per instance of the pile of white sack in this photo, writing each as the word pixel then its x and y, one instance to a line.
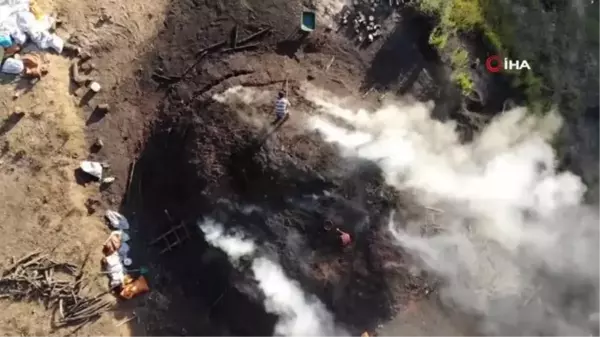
pixel 18 24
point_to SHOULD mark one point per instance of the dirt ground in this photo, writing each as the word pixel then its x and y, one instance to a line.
pixel 42 205
pixel 45 206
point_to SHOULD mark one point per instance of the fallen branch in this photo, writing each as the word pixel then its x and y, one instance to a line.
pixel 234 36
pixel 368 92
pixel 434 209
pixel 330 63
pixel 199 58
pixel 126 320
pixel 211 48
pixel 32 277
pixel 130 179
pixel 254 36
pixel 240 48
pixel 20 261
pixel 168 80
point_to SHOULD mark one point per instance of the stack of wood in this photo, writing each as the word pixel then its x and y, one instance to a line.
pixel 58 285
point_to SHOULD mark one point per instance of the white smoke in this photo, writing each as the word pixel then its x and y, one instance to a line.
pixel 234 245
pixel 298 314
pixel 515 235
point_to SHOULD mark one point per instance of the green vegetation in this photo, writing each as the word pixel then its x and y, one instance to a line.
pixel 460 64
pixel 455 16
pixel 497 25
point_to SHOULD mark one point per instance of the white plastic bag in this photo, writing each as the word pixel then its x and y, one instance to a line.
pixel 19 36
pixel 122 234
pixel 113 263
pixel 117 220
pixel 56 43
pixel 92 168
pixel 17 21
pixel 9 8
pixel 124 249
pixel 115 270
pixel 9 11
pixel 12 66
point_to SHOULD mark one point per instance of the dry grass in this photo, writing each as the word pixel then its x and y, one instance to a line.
pixel 41 205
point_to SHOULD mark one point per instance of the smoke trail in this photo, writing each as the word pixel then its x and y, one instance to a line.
pixel 517 245
pixel 298 314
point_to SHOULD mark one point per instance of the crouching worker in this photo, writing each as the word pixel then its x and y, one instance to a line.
pixel 281 108
pixel 345 238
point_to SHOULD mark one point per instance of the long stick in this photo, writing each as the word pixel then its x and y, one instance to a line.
pixel 240 48
pixel 234 36
pixel 211 48
pixel 126 320
pixel 21 261
pixel 130 178
pixel 198 60
pixel 330 63
pixel 253 36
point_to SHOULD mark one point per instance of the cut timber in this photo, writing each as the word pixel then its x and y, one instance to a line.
pixel 172 237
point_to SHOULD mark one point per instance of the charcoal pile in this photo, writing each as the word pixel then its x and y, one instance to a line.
pixel 365 17
pixel 59 285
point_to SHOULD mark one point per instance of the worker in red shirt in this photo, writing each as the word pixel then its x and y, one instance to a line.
pixel 344 237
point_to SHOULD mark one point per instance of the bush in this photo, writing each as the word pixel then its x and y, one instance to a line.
pixel 495 22
pixel 463 80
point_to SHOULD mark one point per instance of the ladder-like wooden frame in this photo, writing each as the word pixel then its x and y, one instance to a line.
pixel 178 239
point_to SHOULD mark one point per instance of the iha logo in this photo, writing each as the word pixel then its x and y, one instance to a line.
pixel 495 63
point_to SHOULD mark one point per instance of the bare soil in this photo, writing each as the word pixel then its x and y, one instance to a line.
pixel 185 152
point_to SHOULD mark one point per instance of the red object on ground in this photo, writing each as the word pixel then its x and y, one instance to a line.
pixel 346 240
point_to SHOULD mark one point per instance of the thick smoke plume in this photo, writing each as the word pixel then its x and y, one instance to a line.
pixel 517 246
pixel 298 314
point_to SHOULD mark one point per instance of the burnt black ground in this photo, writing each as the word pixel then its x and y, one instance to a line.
pixel 200 160
pixel 217 171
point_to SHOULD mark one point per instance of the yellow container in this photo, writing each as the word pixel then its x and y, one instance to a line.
pixel 36 10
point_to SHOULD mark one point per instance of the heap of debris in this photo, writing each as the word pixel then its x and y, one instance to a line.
pixel 57 285
pixel 365 17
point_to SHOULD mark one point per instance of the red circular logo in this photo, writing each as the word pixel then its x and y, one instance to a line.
pixel 493 64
